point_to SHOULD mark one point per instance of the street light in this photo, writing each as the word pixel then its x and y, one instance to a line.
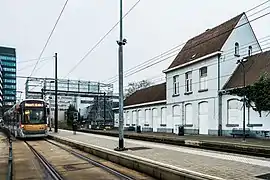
pixel 242 61
pixel 50 118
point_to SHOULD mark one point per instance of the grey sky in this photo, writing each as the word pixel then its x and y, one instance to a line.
pixel 153 27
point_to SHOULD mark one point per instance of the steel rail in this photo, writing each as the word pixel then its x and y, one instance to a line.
pixel 106 168
pixel 49 168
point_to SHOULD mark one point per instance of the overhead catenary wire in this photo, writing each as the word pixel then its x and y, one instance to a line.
pixel 30 60
pixel 210 79
pixel 49 36
pixel 185 42
pixel 209 65
pixel 209 39
pixel 159 55
pixel 101 40
pixel 226 53
pixel 29 66
pixel 257 6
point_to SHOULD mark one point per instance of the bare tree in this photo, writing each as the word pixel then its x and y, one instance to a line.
pixel 134 86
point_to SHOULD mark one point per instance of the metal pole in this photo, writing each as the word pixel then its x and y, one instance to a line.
pixel 56 104
pixel 104 111
pixel 244 104
pixel 50 118
pixel 219 101
pixel 121 42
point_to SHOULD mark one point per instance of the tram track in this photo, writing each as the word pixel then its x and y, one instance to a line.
pixel 58 161
pixel 50 170
pixel 91 161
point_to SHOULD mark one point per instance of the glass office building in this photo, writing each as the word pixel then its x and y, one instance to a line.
pixel 8 76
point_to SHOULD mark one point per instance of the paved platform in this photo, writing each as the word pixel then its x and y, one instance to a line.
pixel 237 140
pixel 213 163
pixel 3 156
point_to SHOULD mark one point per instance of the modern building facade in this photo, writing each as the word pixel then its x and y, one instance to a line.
pixel 8 76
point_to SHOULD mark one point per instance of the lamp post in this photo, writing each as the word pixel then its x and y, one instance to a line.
pixel 50 117
pixel 242 61
pixel 121 43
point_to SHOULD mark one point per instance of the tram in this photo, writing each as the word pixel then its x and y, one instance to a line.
pixel 27 119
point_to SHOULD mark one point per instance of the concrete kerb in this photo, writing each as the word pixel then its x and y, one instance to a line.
pixel 254 150
pixel 152 168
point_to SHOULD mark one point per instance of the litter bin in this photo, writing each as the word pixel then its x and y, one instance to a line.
pixel 180 130
pixel 139 129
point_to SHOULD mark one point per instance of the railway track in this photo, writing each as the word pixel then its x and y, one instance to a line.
pixel 50 170
pixel 91 161
pixel 58 161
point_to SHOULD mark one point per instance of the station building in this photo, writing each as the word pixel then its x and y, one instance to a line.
pixel 193 94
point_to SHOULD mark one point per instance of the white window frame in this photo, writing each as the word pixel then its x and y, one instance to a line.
pixel 163 121
pixel 188 123
pixel 229 121
pixel 134 120
pixel 188 81
pixel 127 118
pixel 147 116
pixel 154 116
pixel 176 85
pixel 203 78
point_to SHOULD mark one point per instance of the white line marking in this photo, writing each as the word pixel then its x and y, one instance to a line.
pixel 246 160
pixel 144 159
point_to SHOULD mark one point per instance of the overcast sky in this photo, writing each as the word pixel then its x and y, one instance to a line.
pixel 153 27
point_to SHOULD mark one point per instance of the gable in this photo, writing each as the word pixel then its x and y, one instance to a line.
pixel 206 43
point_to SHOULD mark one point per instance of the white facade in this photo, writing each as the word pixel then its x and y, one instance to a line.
pixel 244 36
pixel 198 97
pixel 192 92
pixel 153 117
pixel 233 116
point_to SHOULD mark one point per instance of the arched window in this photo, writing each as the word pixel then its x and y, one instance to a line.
pixel 236 49
pixel 140 117
pixel 154 115
pixel 176 114
pixel 163 116
pixel 188 114
pixel 176 111
pixel 249 50
pixel 234 111
pixel 147 116
pixel 134 117
pixel 127 118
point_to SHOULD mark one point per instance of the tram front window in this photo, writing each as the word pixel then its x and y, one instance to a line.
pixel 34 116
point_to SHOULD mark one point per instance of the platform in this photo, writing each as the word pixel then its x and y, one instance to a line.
pixel 3 156
pixel 210 163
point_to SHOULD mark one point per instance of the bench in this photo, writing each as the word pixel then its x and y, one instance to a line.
pixel 266 134
pixel 131 128
pixel 239 132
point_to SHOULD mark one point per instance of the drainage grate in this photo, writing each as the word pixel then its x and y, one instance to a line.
pixel 264 176
pixel 138 148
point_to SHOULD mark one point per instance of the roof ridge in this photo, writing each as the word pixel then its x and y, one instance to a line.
pixel 206 43
pixel 211 29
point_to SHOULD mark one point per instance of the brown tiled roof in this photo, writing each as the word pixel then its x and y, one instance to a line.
pixel 255 66
pixel 206 43
pixel 146 95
